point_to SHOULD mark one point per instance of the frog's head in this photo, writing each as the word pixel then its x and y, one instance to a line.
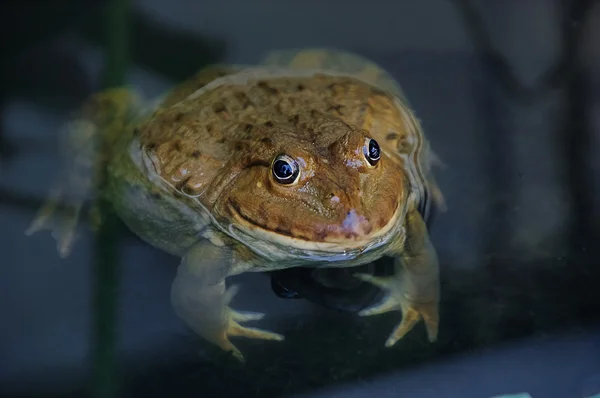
pixel 321 185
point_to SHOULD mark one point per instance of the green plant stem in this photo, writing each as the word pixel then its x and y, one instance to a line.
pixel 105 383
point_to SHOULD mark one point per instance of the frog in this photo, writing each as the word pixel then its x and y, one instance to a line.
pixel 309 158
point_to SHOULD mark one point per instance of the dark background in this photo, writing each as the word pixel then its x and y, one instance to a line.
pixel 508 93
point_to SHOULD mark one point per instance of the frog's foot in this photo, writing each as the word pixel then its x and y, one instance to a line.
pixel 233 328
pixel 60 219
pixel 397 299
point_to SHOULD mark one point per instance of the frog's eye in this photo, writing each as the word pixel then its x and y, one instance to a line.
pixel 285 170
pixel 372 152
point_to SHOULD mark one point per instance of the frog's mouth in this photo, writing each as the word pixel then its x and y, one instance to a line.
pixel 278 245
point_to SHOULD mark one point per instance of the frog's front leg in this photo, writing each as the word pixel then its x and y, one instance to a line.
pixel 414 289
pixel 199 297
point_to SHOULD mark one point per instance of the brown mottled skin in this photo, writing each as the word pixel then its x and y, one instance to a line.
pixel 194 176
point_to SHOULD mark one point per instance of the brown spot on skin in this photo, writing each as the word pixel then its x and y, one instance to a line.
pixel 243 99
pixel 269 124
pixel 238 146
pixel 392 136
pixel 177 146
pixel 151 146
pixel 209 128
pixel 403 145
pixel 294 120
pixel 300 87
pixel 331 147
pixel 248 127
pixel 221 140
pixel 179 116
pixel 196 154
pixel 336 108
pixel 264 86
pixel 220 110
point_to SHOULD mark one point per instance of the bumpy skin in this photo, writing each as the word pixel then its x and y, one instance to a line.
pixel 194 177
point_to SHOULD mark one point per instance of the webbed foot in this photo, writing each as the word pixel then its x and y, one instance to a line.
pixel 397 300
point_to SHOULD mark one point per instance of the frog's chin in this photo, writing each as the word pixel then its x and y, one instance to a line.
pixel 278 247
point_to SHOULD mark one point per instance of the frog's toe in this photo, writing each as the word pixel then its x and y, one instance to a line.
pixel 412 311
pixel 381 282
pixel 236 317
pixel 235 329
pixel 62 222
pixel 243 316
pixel 411 314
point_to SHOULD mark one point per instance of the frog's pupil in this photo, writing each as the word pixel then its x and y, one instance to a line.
pixel 283 169
pixel 374 150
